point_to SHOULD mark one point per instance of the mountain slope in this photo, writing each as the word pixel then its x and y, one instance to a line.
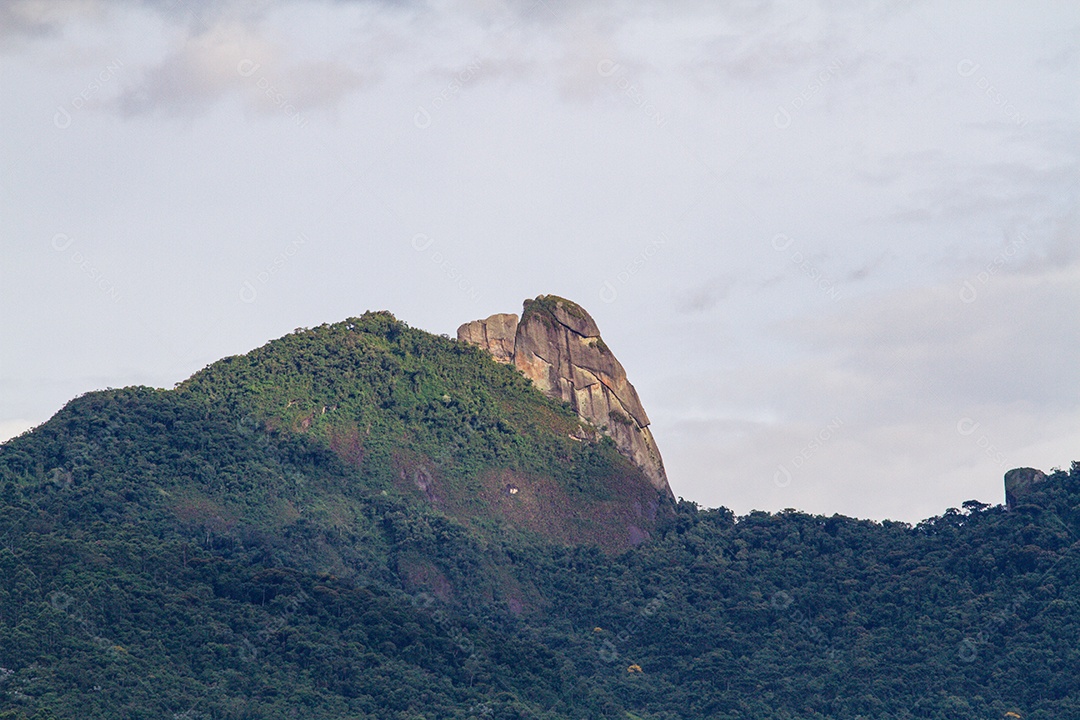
pixel 439 420
pixel 157 559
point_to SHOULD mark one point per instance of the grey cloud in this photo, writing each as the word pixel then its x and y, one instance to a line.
pixel 1060 249
pixel 48 17
pixel 36 18
pixel 1012 193
pixel 869 267
pixel 232 61
pixel 317 84
pixel 15 20
pixel 180 84
pixel 707 295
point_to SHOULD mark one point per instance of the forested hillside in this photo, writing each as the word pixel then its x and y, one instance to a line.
pixel 366 521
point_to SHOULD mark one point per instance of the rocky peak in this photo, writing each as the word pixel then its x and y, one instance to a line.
pixel 1019 482
pixel 557 345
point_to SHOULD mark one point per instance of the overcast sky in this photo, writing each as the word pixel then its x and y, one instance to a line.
pixel 836 248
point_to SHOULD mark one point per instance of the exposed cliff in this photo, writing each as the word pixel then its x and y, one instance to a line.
pixel 557 345
pixel 1020 482
pixel 495 334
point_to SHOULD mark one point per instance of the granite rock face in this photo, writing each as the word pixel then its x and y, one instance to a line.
pixel 1018 483
pixel 557 345
pixel 495 334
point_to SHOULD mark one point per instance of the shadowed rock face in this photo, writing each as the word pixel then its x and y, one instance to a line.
pixel 558 346
pixel 1018 483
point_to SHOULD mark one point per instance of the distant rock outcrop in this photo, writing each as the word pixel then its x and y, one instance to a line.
pixel 1019 482
pixel 558 346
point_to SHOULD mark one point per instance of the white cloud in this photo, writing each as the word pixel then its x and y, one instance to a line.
pixel 233 59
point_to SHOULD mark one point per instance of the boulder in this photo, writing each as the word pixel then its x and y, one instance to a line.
pixel 1019 482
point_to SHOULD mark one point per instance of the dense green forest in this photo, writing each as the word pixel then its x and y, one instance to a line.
pixel 322 529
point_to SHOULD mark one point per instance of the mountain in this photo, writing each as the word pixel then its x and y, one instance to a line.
pixel 437 421
pixel 363 520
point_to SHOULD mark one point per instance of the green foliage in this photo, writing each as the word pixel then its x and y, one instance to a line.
pixel 372 387
pixel 227 550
